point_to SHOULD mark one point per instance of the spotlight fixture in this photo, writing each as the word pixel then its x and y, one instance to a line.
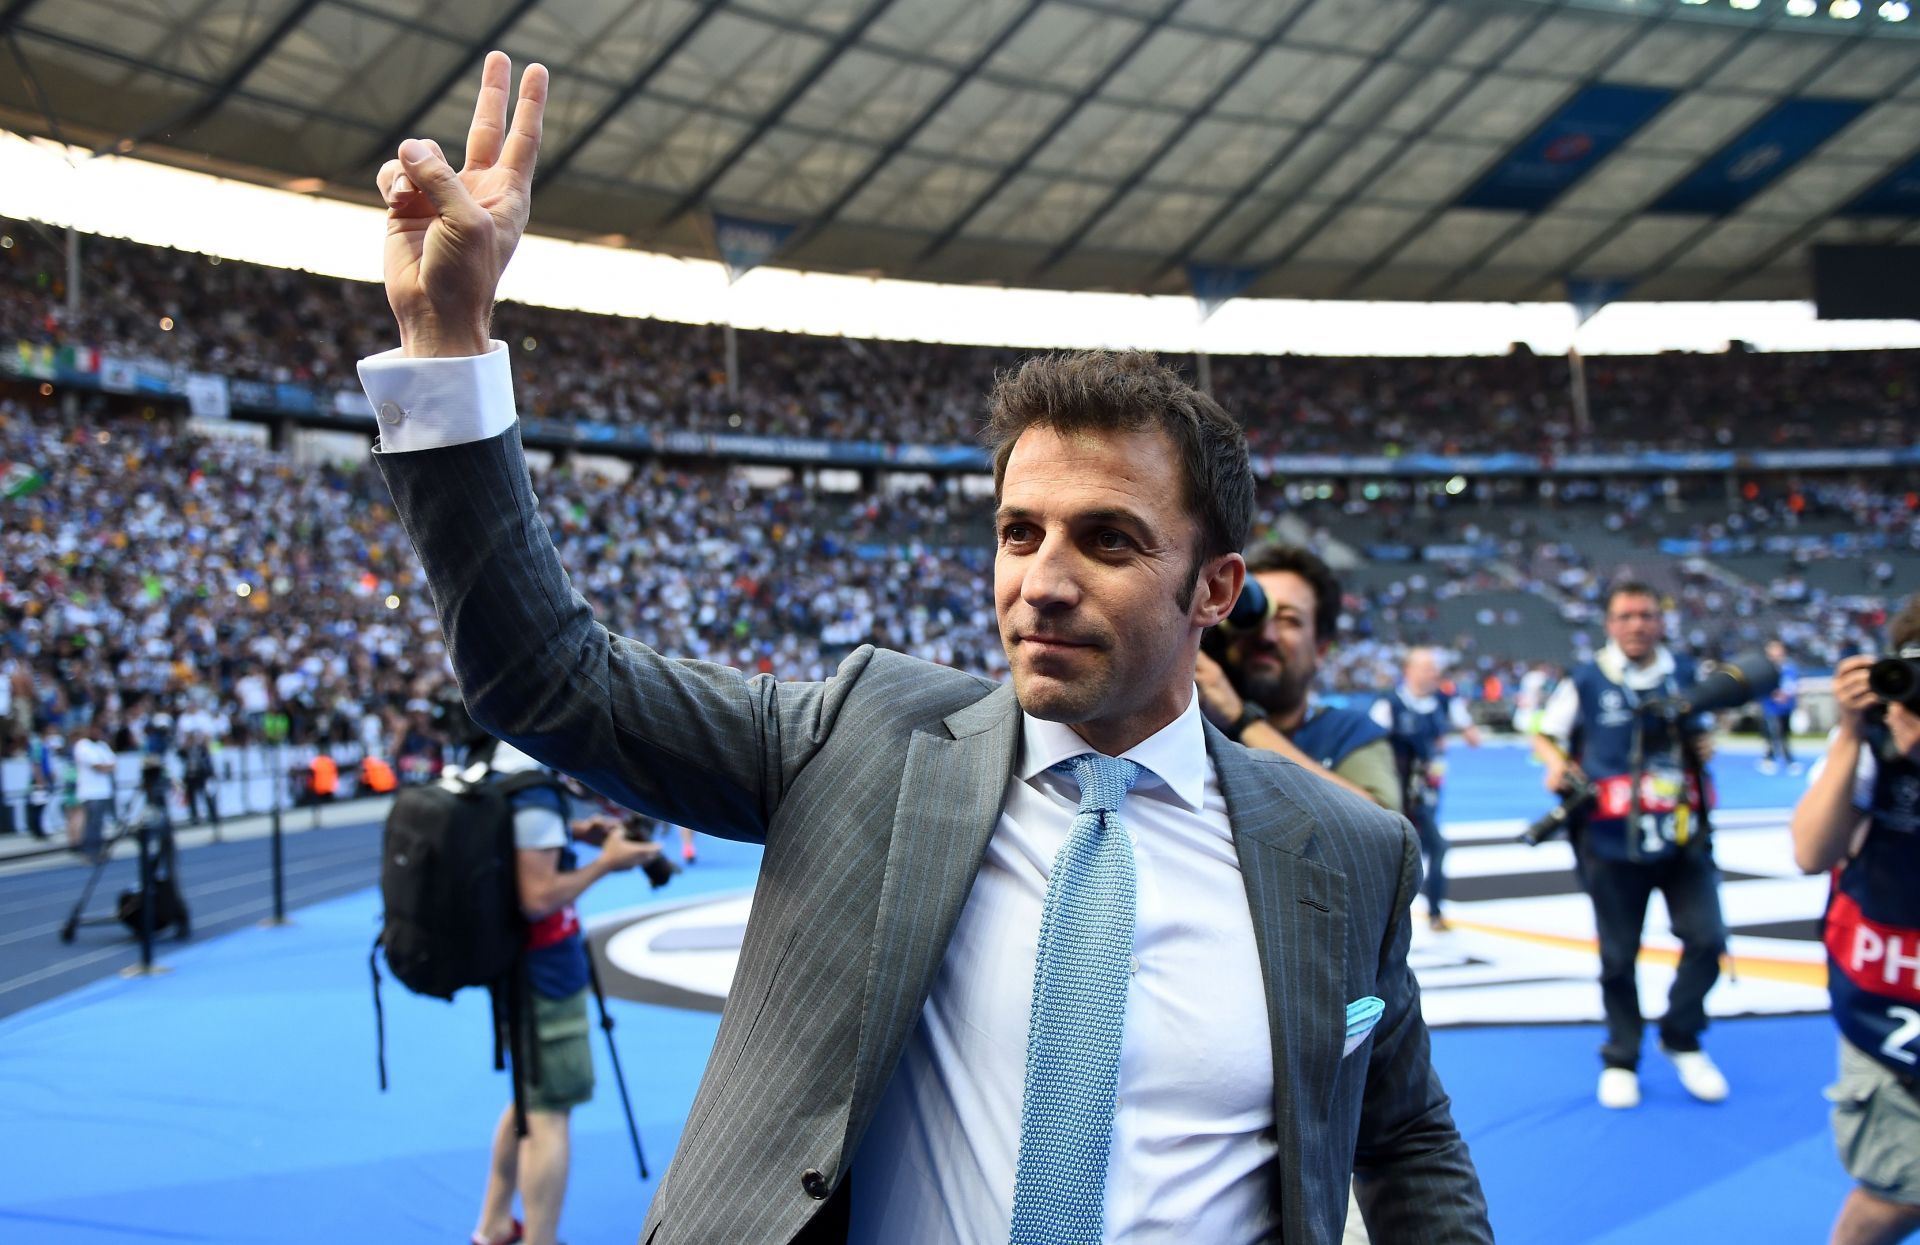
pixel 1802 8
pixel 1744 4
pixel 1844 9
pixel 1895 11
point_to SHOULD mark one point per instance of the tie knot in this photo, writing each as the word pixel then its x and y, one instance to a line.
pixel 1104 780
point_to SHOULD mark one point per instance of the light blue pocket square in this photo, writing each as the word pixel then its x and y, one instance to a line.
pixel 1362 1015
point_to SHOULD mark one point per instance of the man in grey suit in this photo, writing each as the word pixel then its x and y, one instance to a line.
pixel 1048 962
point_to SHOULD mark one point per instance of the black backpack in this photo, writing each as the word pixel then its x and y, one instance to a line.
pixel 452 905
pixel 452 918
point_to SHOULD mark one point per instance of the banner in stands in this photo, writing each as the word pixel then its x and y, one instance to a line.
pixel 1566 147
pixel 1897 194
pixel 207 396
pixel 746 244
pixel 1822 544
pixel 84 368
pixel 1786 135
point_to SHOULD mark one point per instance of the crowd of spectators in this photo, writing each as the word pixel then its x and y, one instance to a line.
pixel 259 323
pixel 149 576
pixel 148 573
pixel 1734 574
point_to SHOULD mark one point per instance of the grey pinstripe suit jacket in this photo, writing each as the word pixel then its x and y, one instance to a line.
pixel 875 793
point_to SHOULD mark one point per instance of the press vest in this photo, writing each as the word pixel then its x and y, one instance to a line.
pixel 1604 735
pixel 1416 736
pixel 1873 921
pixel 1331 735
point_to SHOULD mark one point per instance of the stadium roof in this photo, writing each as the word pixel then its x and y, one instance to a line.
pixel 1380 149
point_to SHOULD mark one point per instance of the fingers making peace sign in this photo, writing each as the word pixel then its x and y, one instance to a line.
pixel 450 235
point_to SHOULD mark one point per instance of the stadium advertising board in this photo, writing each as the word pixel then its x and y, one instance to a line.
pixel 1786 135
pixel 1566 147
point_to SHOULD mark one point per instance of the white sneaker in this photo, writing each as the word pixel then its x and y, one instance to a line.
pixel 1619 1088
pixel 1699 1075
pixel 1768 766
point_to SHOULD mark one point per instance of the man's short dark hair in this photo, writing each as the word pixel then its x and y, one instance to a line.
pixel 1904 629
pixel 1628 588
pixel 1299 560
pixel 1131 391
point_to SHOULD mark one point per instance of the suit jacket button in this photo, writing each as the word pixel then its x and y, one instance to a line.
pixel 814 1183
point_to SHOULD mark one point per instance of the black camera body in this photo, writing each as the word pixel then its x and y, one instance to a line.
pixel 1250 612
pixel 155 785
pixel 1897 679
pixel 660 870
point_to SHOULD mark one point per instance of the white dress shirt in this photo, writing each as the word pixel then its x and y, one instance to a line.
pixel 428 404
pixel 1194 1148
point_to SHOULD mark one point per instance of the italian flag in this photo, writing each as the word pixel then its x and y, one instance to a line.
pixel 20 480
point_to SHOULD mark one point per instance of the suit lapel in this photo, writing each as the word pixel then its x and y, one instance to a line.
pixel 1299 923
pixel 950 798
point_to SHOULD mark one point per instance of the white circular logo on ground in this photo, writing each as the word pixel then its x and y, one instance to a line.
pixel 1521 949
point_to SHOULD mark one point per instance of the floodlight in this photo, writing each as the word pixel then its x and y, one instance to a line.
pixel 1844 9
pixel 1895 11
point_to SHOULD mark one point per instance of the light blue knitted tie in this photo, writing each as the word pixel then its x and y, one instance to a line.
pixel 1079 1014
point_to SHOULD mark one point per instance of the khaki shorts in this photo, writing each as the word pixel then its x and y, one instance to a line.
pixel 566 1060
pixel 1876 1122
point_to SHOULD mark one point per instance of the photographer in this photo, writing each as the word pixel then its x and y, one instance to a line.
pixel 94 764
pixel 1860 818
pixel 1418 716
pixel 1588 733
pixel 1256 685
pixel 1776 713
pixel 550 884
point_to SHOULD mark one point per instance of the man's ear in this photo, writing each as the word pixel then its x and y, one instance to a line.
pixel 1218 587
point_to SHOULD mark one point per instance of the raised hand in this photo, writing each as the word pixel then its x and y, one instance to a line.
pixel 450 235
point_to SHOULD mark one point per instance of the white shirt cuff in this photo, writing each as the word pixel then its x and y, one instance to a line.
pixel 428 404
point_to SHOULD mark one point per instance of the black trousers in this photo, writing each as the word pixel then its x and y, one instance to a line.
pixel 1620 889
pixel 200 790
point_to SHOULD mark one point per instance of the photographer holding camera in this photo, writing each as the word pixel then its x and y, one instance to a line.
pixel 1617 763
pixel 1256 678
pixel 1860 818
pixel 550 884
pixel 1418 715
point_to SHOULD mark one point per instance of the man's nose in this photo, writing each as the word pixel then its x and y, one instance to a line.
pixel 1049 579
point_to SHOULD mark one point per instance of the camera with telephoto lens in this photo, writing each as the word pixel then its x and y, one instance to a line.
pixel 1896 680
pixel 1731 684
pixel 154 783
pixel 660 870
pixel 1249 613
pixel 1577 794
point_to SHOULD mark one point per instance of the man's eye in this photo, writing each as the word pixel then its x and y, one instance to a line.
pixel 1013 533
pixel 1112 541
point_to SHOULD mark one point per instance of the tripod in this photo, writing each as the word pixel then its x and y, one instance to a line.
pixel 157 903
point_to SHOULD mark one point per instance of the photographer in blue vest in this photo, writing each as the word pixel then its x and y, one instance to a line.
pixel 1860 818
pixel 1418 716
pixel 1640 832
